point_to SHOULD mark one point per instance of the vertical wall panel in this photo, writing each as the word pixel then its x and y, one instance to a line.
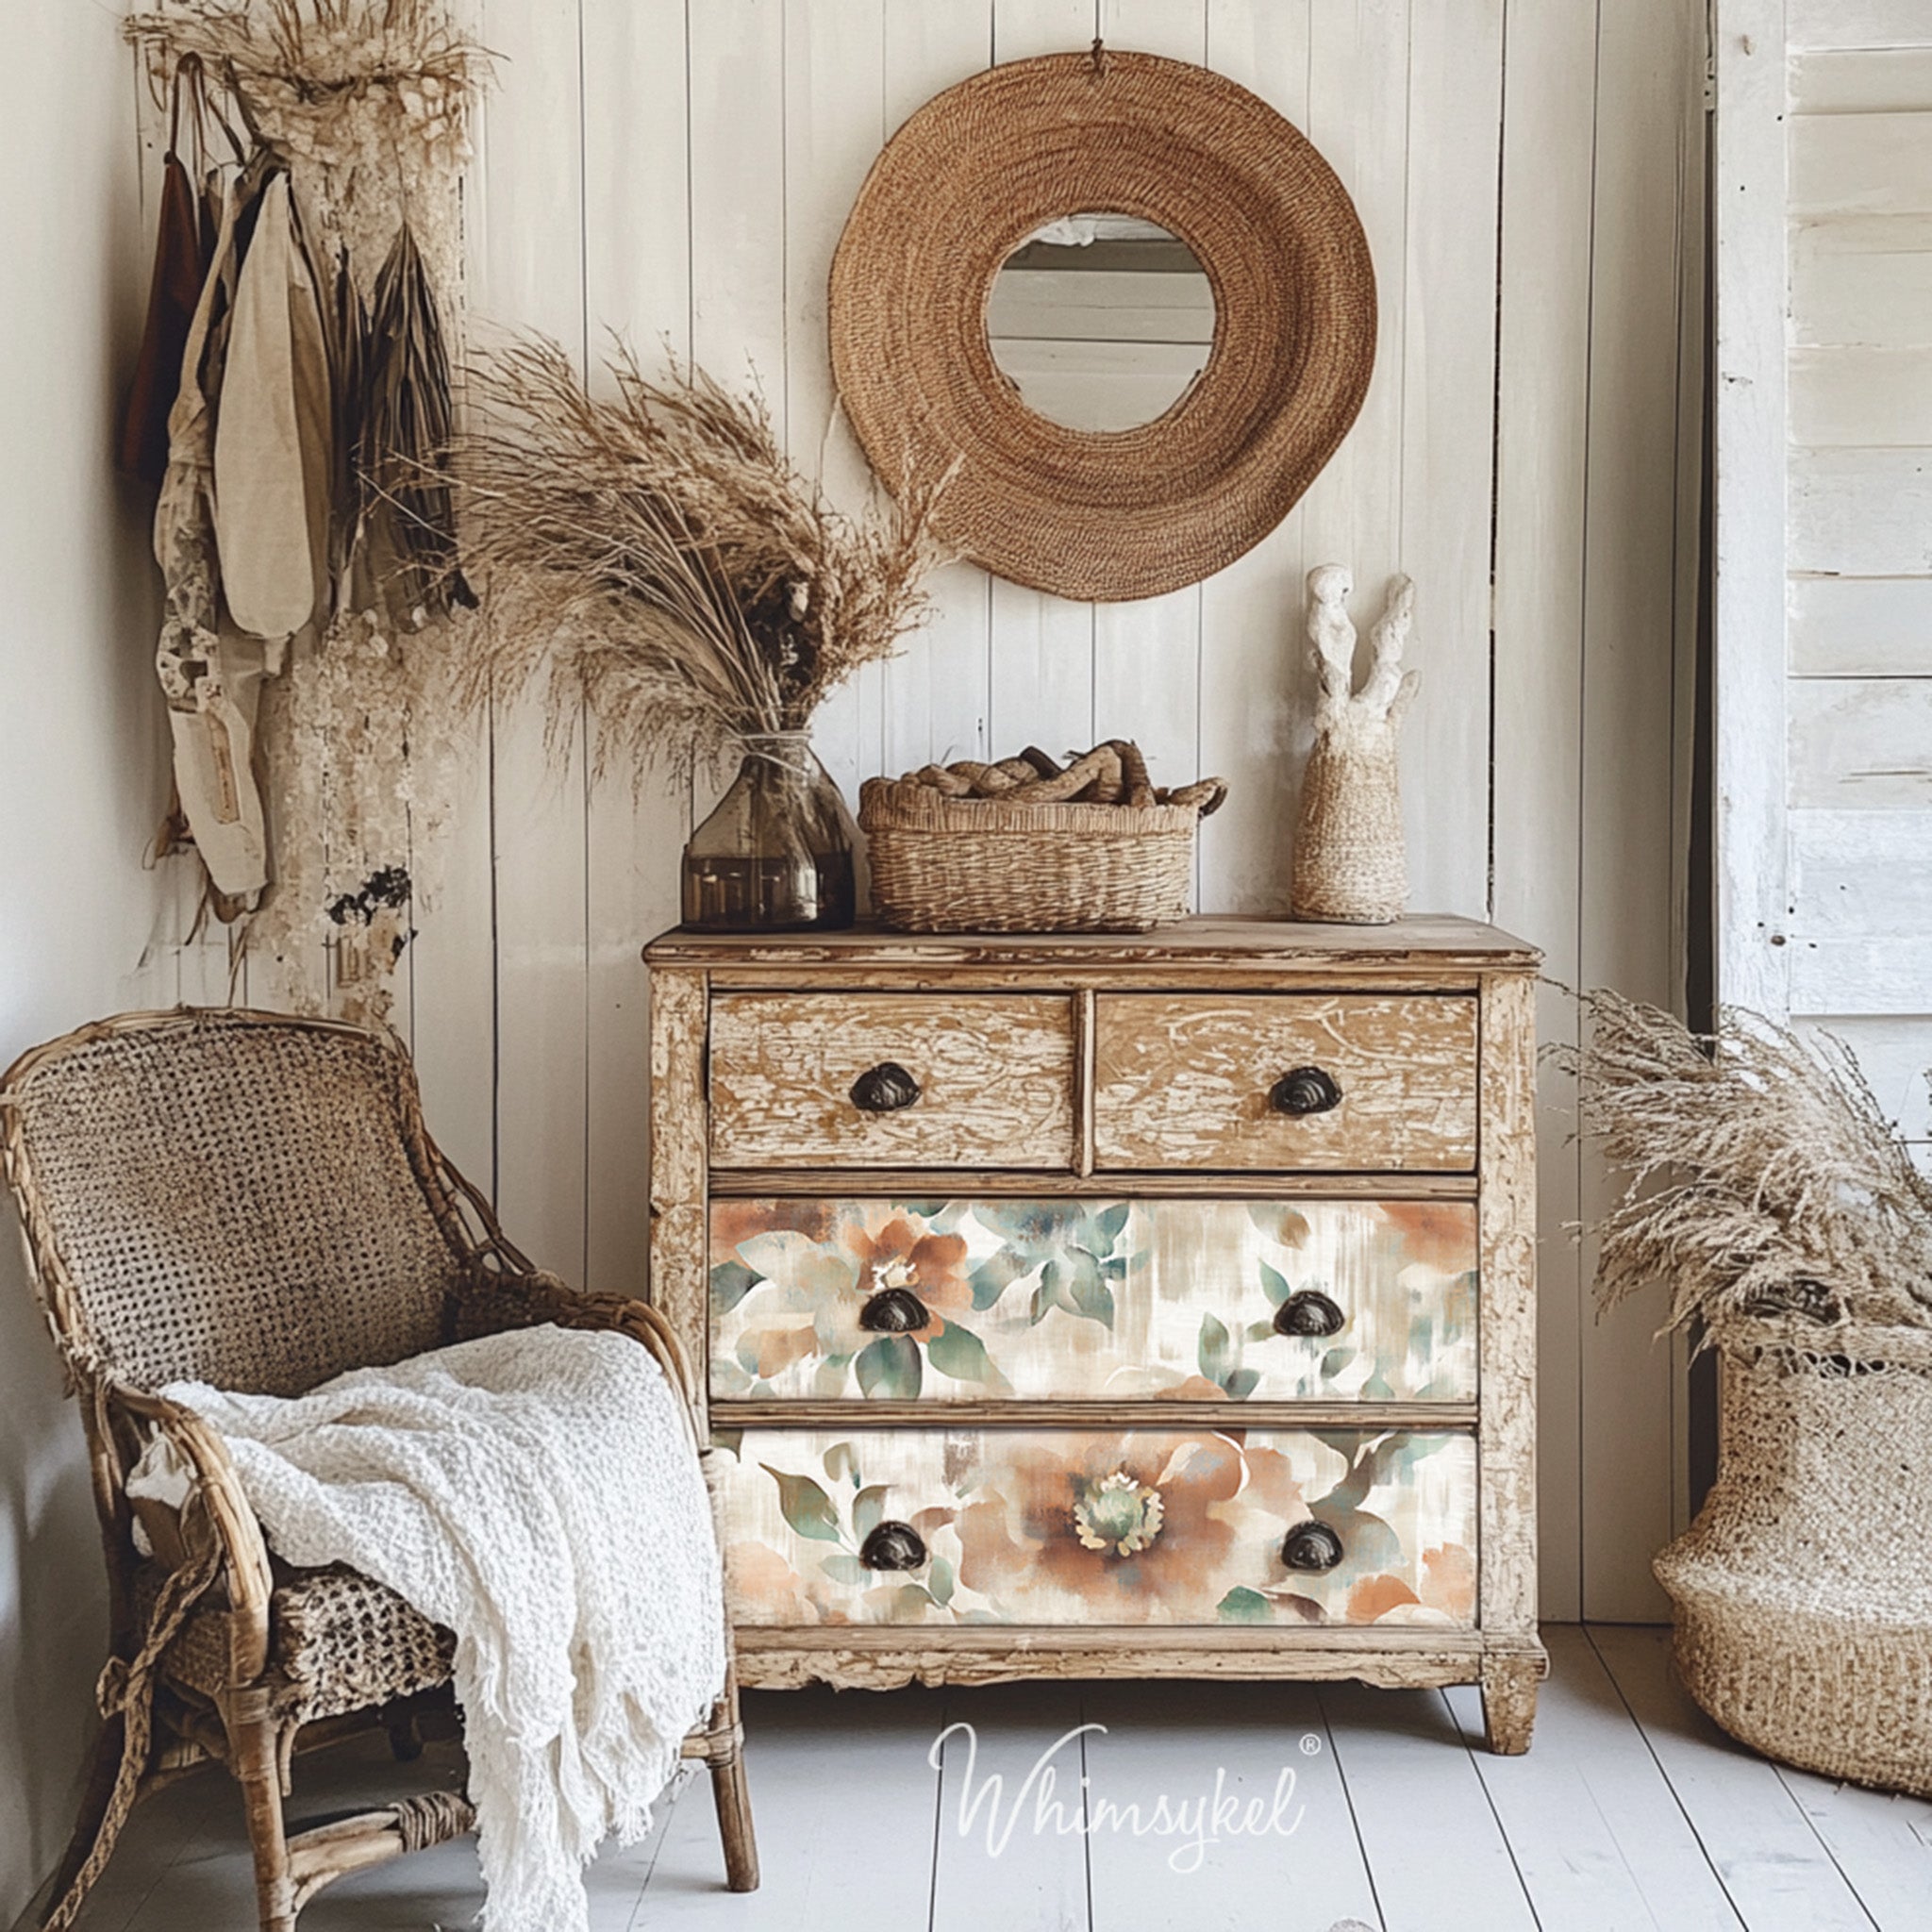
pixel 637 282
pixel 1648 66
pixel 1253 717
pixel 1543 391
pixel 834 124
pixel 937 690
pixel 528 270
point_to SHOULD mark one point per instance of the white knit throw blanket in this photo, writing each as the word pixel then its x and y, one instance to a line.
pixel 537 1494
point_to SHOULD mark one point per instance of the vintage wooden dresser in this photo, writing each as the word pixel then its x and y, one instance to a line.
pixel 1080 1306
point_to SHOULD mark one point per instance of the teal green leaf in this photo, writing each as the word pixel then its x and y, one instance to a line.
pixel 868 1510
pixel 842 1566
pixel 805 1506
pixel 1260 1331
pixel 1335 1361
pixel 1243 1605
pixel 841 1459
pixel 1215 1351
pixel 1240 1383
pixel 1114 1266
pixel 994 1275
pixel 1110 1221
pixel 731 1281
pixel 977 1616
pixel 828 1378
pixel 732 1440
pixel 748 1353
pixel 1091 1296
pixel 925 1211
pixel 960 1353
pixel 888 1369
pixel 912 1598
pixel 939 1579
pixel 1274 1285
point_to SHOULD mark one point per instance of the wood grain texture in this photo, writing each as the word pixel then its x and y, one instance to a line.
pixel 1506 1214
pixel 995 1077
pixel 1420 941
pixel 677 1157
pixel 925 1182
pixel 1183 1081
pixel 885 1660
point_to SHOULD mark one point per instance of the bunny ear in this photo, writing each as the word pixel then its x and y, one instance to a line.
pixel 1330 632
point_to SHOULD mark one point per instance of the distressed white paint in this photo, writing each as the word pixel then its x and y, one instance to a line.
pixel 1837 850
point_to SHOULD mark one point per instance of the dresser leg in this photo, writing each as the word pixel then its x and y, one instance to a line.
pixel 1509 1703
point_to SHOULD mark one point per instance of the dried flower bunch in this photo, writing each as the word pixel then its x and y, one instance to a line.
pixel 651 556
pixel 1765 1184
pixel 369 99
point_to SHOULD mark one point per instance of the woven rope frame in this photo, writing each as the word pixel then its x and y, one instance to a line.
pixel 1138 512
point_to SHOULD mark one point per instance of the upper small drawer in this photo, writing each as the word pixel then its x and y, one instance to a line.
pixel 891 1079
pixel 1286 1081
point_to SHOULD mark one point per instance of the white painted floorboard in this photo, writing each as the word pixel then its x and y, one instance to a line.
pixel 1631 1814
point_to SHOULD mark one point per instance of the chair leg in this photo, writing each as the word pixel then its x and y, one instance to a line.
pixel 93 1807
pixel 731 1795
pixel 254 1757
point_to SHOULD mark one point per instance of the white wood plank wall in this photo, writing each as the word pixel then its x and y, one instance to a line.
pixel 1859 535
pixel 1529 176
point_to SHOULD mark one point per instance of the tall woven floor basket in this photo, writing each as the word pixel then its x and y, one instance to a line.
pixel 1803 1592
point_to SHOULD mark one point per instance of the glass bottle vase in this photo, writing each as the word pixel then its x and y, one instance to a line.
pixel 775 855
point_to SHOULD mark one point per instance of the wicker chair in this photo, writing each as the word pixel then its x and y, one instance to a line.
pixel 253 1201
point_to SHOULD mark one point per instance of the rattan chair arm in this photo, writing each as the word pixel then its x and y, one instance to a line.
pixel 224 1513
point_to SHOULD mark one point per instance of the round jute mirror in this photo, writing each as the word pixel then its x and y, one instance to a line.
pixel 966 188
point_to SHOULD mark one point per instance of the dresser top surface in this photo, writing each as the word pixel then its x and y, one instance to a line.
pixel 1425 940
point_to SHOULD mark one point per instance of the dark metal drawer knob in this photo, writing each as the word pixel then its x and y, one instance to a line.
pixel 1306 1312
pixel 1305 1090
pixel 1312 1546
pixel 884 1088
pixel 893 1547
pixel 894 1312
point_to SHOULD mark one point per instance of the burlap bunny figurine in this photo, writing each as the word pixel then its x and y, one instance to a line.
pixel 1349 861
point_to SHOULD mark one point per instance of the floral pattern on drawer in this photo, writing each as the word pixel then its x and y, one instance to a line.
pixel 1069 1526
pixel 1093 1300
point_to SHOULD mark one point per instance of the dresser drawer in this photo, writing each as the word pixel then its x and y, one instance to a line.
pixel 1286 1081
pixel 891 1080
pixel 1092 1300
pixel 1072 1526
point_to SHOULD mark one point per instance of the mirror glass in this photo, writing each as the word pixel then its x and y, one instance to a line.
pixel 1102 322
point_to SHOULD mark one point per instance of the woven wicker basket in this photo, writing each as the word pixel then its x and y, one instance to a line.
pixel 1804 1590
pixel 979 865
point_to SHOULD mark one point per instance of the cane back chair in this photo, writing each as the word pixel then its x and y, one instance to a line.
pixel 253 1201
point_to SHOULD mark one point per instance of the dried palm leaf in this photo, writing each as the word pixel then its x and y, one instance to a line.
pixel 1764 1180
pixel 407 420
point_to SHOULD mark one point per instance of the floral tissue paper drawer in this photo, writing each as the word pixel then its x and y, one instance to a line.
pixel 1073 1305
pixel 1112 1526
pixel 1093 1300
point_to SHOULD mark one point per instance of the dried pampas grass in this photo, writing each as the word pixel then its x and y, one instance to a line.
pixel 652 557
pixel 1765 1184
